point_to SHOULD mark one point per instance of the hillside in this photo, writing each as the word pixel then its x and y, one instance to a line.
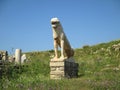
pixel 99 69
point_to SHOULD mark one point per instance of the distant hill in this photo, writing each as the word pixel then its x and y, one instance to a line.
pixel 99 69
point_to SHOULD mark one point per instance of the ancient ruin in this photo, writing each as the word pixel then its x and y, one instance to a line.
pixel 18 55
pixel 17 58
pixel 60 40
pixel 64 66
pixel 3 55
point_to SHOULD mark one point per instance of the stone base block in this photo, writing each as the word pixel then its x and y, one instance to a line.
pixel 61 68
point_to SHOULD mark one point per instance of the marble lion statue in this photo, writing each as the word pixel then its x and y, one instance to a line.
pixel 60 40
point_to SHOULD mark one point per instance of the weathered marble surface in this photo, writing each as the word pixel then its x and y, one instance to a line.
pixel 3 55
pixel 60 40
pixel 18 55
pixel 60 68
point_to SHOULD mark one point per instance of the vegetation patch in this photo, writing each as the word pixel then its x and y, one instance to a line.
pixel 99 69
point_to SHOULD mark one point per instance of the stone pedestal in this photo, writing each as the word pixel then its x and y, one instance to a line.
pixel 61 68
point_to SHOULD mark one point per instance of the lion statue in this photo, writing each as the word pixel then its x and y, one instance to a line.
pixel 60 40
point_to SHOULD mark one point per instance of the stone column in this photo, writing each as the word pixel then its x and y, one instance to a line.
pixel 18 55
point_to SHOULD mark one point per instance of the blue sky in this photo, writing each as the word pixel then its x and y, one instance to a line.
pixel 25 24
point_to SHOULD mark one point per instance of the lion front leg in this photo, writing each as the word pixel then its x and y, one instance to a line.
pixel 62 49
pixel 56 49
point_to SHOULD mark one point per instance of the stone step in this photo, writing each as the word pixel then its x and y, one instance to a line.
pixel 56 64
pixel 57 73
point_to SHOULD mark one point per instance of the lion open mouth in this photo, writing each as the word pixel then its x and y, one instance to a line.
pixel 54 26
pixel 54 22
